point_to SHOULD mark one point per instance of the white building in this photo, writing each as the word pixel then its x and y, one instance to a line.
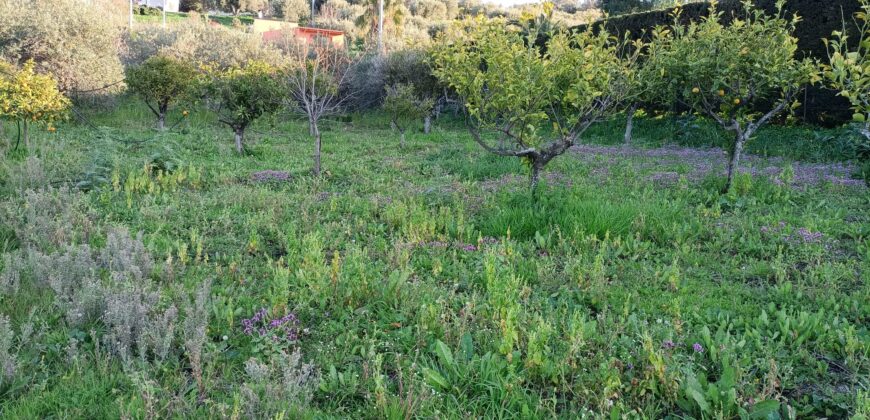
pixel 168 5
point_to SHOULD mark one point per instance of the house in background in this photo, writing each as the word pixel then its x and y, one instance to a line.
pixel 167 5
pixel 274 30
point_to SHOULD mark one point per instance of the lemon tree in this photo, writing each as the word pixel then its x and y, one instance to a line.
pixel 30 98
pixel 160 81
pixel 740 75
pixel 526 101
pixel 848 71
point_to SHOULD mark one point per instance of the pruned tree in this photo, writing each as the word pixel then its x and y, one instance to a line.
pixel 537 102
pixel 404 107
pixel 240 95
pixel 317 86
pixel 741 75
pixel 30 98
pixel 160 81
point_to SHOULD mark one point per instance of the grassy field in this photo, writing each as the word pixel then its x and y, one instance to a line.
pixel 424 281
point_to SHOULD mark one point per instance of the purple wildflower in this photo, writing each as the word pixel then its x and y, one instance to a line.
pixel 698 348
pixel 668 344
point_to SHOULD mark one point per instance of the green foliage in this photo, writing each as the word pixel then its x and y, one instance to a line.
pixel 160 81
pixel 29 97
pixel 537 103
pixel 726 72
pixel 847 72
pixel 404 107
pixel 75 43
pixel 240 95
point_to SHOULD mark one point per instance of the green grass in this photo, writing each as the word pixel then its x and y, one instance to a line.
pixel 428 281
pixel 172 17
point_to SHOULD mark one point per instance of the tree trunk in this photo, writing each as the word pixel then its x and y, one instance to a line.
pixel 427 124
pixel 310 128
pixel 734 162
pixel 25 132
pixel 240 137
pixel 317 144
pixel 161 121
pixel 629 124
pixel 535 177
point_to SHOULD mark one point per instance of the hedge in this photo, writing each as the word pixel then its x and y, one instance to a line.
pixel 818 19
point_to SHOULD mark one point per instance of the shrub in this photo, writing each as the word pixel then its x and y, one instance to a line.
pixel 28 97
pixel 48 219
pixel 286 381
pixel 413 67
pixel 538 103
pixel 403 107
pixel 194 328
pixel 240 95
pixel 75 42
pixel 729 72
pixel 197 42
pixel 291 10
pixel 160 81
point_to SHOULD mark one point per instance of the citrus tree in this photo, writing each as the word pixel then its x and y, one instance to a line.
pixel 30 98
pixel 240 95
pixel 740 75
pixel 530 102
pixel 160 81
pixel 404 107
pixel 848 71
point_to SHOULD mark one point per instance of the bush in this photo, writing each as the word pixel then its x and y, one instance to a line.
pixel 48 219
pixel 197 42
pixel 76 42
pixel 404 107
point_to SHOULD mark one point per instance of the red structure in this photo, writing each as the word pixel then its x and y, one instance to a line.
pixel 309 36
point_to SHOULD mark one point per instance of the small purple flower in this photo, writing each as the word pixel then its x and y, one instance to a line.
pixel 668 344
pixel 698 348
pixel 630 366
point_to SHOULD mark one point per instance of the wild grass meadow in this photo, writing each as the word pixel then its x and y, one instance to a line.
pixel 157 274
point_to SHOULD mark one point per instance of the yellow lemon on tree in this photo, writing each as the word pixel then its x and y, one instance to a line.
pixel 51 129
pixel 736 101
pixel 185 113
pixel 695 90
pixel 721 92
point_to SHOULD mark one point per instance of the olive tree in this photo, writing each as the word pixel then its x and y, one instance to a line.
pixel 160 81
pixel 240 95
pixel 404 107
pixel 76 42
pixel 29 97
pixel 740 75
pixel 317 86
pixel 537 102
